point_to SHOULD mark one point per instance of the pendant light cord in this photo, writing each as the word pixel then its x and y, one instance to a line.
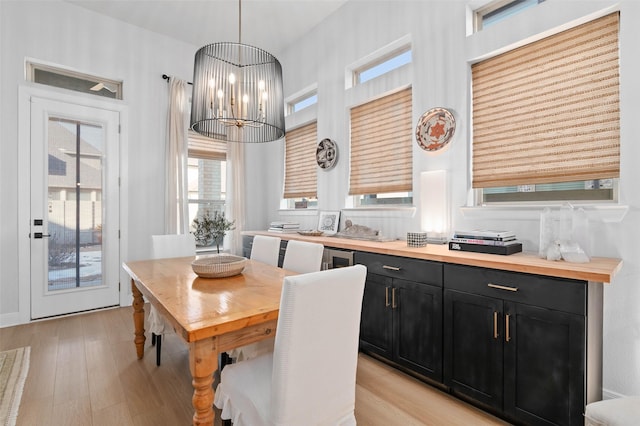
pixel 239 21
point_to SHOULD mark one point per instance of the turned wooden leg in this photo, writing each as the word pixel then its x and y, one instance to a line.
pixel 203 362
pixel 138 319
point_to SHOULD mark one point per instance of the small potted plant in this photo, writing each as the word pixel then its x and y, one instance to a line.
pixel 209 230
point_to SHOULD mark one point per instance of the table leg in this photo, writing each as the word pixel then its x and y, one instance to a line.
pixel 138 319
pixel 203 362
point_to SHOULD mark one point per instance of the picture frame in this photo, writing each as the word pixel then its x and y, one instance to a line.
pixel 328 221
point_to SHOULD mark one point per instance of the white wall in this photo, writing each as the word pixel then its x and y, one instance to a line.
pixel 441 56
pixel 60 33
pixel 48 31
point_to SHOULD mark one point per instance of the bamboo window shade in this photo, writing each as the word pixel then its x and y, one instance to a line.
pixel 301 169
pixel 549 111
pixel 381 145
pixel 206 148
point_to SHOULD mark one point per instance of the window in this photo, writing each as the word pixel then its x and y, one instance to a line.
pixel 304 102
pixel 206 175
pixel 546 123
pixel 381 150
pixel 383 65
pixel 300 176
pixel 72 80
pixel 301 100
pixel 499 10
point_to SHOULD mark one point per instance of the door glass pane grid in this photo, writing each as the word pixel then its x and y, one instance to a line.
pixel 74 180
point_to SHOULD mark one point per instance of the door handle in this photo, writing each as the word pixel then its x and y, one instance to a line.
pixel 495 324
pixel 38 235
pixel 386 297
pixel 507 337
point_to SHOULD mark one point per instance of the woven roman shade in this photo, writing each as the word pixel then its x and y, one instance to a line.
pixel 549 111
pixel 206 148
pixel 381 154
pixel 300 175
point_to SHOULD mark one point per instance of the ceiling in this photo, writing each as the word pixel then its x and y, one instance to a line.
pixel 269 24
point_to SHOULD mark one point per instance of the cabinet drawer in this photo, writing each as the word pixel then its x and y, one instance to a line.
pixel 549 292
pixel 423 271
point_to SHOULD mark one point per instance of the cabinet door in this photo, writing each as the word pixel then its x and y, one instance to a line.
pixel 375 322
pixel 543 365
pixel 417 325
pixel 473 346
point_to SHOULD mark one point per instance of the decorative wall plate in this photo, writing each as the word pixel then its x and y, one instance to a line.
pixel 435 129
pixel 327 154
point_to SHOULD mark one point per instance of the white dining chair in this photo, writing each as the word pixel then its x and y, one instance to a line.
pixel 162 247
pixel 265 249
pixel 303 257
pixel 310 377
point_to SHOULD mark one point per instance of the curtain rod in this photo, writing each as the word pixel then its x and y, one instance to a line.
pixel 166 77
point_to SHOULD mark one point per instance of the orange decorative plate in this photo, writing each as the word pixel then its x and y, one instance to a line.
pixel 435 129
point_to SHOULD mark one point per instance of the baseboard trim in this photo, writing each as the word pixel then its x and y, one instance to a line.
pixel 609 394
pixel 10 319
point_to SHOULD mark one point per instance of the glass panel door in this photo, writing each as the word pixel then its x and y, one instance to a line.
pixel 74 208
pixel 74 204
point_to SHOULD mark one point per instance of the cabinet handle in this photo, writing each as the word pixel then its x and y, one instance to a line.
pixel 391 268
pixel 506 320
pixel 386 296
pixel 495 324
pixel 502 287
pixel 393 298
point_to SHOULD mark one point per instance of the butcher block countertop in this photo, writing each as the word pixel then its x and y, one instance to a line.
pixel 599 269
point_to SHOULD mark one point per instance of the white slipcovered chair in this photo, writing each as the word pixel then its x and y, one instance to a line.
pixel 303 256
pixel 162 247
pixel 613 412
pixel 265 249
pixel 310 377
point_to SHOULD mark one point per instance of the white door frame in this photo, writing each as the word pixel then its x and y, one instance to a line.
pixel 25 93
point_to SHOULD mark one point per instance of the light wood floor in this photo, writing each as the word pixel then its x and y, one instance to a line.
pixel 84 371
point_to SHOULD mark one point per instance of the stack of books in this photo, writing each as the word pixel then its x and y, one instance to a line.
pixel 284 227
pixel 486 241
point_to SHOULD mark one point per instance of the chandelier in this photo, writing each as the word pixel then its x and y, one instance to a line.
pixel 237 92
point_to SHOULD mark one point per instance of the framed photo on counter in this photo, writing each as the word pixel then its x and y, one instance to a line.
pixel 328 222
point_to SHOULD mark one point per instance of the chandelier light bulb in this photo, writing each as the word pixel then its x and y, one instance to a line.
pixel 232 79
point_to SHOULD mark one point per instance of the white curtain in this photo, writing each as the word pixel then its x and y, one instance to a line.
pixel 235 195
pixel 176 158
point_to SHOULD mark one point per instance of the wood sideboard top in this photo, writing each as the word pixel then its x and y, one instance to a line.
pixel 599 269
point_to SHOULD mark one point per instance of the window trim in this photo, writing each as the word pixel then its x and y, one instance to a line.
pixel 481 12
pixel 357 73
pixel 403 43
pixel 31 66
pixel 299 96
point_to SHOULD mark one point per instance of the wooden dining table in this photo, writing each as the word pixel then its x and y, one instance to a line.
pixel 212 315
